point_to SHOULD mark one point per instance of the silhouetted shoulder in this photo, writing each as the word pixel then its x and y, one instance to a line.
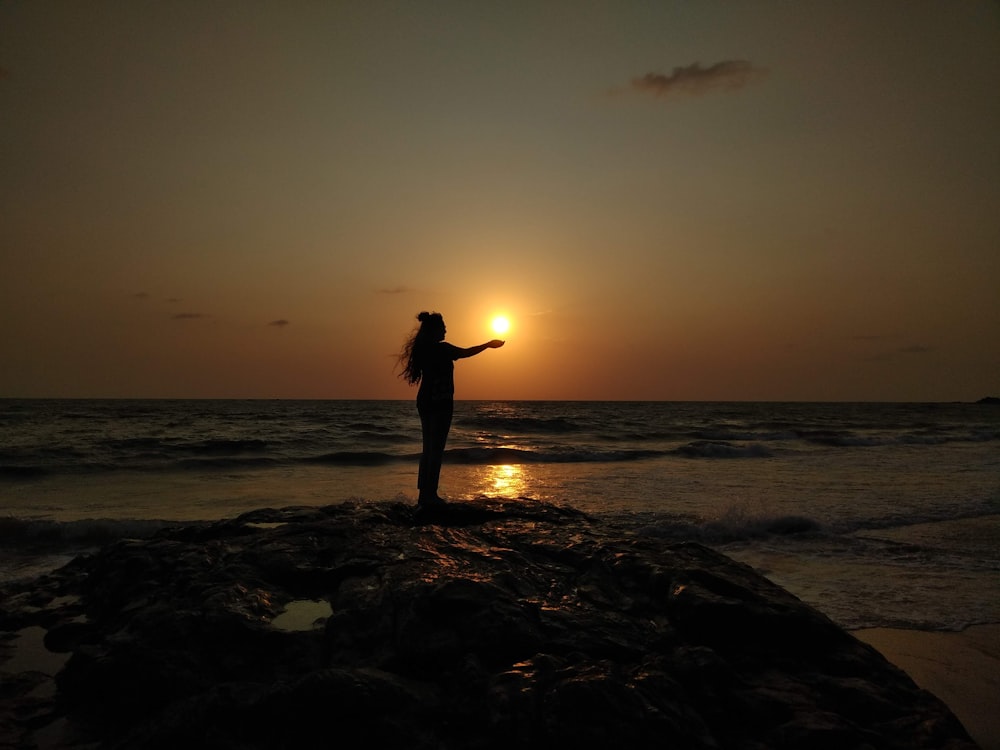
pixel 450 350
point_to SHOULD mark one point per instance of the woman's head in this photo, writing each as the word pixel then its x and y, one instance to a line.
pixel 430 331
pixel 431 326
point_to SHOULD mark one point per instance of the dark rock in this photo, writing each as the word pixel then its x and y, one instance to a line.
pixel 489 624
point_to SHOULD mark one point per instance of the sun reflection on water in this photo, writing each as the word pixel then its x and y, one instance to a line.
pixel 505 480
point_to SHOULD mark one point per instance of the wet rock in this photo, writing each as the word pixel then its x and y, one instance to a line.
pixel 489 624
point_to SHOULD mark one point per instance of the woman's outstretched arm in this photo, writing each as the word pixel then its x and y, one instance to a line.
pixel 474 350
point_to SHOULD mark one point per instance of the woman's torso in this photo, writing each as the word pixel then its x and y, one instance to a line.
pixel 437 374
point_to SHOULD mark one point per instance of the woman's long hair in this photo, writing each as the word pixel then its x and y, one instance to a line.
pixel 411 358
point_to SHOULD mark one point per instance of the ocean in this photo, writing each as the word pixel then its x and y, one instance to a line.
pixel 878 515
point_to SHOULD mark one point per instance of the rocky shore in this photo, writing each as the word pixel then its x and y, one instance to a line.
pixel 490 624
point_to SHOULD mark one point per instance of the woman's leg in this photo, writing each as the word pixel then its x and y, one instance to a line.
pixel 435 426
pixel 425 432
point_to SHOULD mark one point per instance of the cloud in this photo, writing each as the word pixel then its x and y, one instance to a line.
pixel 395 290
pixel 189 316
pixel 280 323
pixel 695 80
pixel 885 348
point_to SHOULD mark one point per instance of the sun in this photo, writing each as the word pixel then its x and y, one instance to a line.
pixel 500 324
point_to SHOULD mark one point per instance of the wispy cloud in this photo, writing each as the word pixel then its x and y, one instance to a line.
pixel 396 290
pixel 280 323
pixel 695 80
pixel 189 316
pixel 888 347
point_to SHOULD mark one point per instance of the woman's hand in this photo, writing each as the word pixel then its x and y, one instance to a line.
pixel 495 344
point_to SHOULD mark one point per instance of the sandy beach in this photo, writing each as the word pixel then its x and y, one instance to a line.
pixel 962 669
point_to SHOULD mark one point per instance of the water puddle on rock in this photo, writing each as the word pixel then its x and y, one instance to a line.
pixel 303 614
pixel 30 654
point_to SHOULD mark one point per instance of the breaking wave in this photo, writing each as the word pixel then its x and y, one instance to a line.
pixel 49 534
pixel 722 449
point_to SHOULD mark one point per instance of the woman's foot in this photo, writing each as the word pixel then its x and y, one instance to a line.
pixel 430 501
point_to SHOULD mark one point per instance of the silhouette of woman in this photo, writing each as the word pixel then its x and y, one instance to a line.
pixel 430 360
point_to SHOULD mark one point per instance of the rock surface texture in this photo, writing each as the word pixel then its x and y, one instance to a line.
pixel 490 624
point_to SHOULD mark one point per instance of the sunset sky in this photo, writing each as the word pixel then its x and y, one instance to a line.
pixel 670 200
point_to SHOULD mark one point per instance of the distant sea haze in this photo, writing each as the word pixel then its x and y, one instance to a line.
pixel 880 514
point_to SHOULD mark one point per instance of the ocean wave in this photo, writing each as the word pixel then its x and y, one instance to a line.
pixel 225 445
pixel 495 455
pixel 520 425
pixel 238 436
pixel 33 471
pixel 157 463
pixel 149 445
pixel 23 472
pixel 383 437
pixel 509 455
pixel 721 449
pixel 982 436
pixel 357 458
pixel 726 434
pixel 835 439
pixel 223 462
pixel 59 535
pixel 372 427
pixel 506 455
pixel 732 527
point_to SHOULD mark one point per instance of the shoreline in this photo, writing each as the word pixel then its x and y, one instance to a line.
pixel 960 668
